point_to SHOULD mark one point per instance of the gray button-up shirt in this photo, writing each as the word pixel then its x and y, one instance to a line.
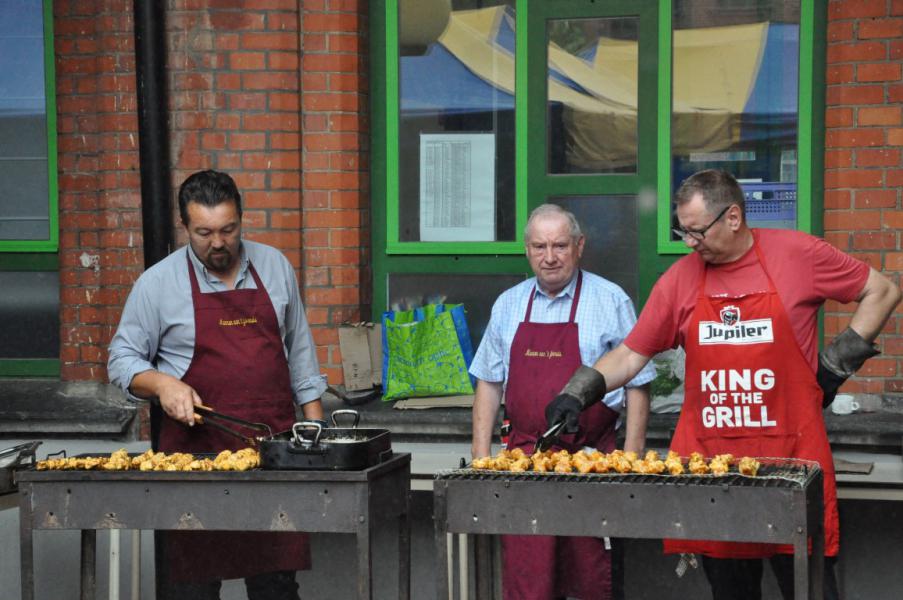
pixel 157 326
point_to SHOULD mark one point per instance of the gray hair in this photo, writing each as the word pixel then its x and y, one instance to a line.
pixel 548 210
pixel 718 188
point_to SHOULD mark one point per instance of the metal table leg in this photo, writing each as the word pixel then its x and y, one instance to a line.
pixel 364 561
pixel 26 545
pixel 404 553
pixel 441 538
pixel 88 564
pixel 482 572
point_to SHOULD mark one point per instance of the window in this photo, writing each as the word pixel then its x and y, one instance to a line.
pixel 484 109
pixel 742 116
pixel 28 206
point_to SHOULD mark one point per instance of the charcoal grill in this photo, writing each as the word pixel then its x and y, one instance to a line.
pixel 352 501
pixel 782 504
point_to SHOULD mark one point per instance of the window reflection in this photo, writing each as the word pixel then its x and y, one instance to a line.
pixel 612 237
pixel 24 208
pixel 456 121
pixel 592 95
pixel 735 86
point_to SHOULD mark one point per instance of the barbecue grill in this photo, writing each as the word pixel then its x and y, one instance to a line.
pixel 782 504
pixel 336 501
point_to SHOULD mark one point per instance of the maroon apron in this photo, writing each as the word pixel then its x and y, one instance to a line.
pixel 755 397
pixel 543 358
pixel 238 368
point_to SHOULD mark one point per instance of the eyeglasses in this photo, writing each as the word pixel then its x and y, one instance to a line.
pixel 699 234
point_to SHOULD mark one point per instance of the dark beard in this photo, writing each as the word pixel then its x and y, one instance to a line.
pixel 219 262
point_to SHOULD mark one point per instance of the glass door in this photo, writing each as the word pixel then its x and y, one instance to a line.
pixel 589 129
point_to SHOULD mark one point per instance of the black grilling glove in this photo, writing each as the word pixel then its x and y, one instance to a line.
pixel 585 387
pixel 839 360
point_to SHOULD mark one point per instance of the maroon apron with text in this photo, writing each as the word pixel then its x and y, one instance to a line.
pixel 751 392
pixel 543 358
pixel 238 368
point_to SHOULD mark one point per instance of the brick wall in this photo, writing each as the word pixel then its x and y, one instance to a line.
pixel 276 93
pixel 238 87
pixel 100 219
pixel 335 162
pixel 864 170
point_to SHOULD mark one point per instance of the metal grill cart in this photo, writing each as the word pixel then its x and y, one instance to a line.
pixel 783 504
pixel 256 500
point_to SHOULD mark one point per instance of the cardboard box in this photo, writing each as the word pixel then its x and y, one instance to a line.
pixel 361 348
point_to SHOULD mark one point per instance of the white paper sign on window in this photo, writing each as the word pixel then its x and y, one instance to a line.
pixel 457 187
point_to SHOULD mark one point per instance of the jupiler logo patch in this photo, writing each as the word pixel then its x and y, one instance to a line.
pixel 730 315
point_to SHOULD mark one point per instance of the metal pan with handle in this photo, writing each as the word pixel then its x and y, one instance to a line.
pixel 310 446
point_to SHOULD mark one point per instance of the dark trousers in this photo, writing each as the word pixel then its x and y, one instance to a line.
pixel 741 579
pixel 280 585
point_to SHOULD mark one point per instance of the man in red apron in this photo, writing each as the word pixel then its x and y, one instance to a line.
pixel 531 346
pixel 238 365
pixel 744 307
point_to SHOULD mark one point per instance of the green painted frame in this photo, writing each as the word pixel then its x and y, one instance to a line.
pixel 52 243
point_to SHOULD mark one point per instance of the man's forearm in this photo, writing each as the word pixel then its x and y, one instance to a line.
pixel 637 401
pixel 879 298
pixel 312 410
pixel 620 366
pixel 150 384
pixel 486 402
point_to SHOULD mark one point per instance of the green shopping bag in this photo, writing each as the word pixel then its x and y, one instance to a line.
pixel 426 352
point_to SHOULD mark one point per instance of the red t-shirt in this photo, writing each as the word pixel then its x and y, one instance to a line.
pixel 806 271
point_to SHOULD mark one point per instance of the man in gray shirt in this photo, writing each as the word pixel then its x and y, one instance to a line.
pixel 220 323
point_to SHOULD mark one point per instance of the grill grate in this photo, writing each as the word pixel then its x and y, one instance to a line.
pixel 773 472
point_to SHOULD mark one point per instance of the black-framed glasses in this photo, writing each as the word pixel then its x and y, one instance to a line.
pixel 699 234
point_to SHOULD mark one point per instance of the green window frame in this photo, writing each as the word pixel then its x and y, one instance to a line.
pixel 391 255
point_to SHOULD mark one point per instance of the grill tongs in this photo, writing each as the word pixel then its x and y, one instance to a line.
pixel 548 439
pixel 207 416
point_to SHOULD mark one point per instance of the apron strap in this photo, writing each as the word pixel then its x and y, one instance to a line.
pixel 195 287
pixel 576 299
pixel 573 303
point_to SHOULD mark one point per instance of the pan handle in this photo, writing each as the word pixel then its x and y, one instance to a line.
pixel 346 411
pixel 299 439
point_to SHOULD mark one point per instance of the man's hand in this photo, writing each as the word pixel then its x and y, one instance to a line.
pixel 565 408
pixel 178 400
pixel 839 360
pixel 586 387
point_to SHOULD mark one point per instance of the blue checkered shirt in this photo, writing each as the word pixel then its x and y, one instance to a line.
pixel 604 317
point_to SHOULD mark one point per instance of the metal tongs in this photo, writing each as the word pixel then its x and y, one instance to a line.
pixel 548 439
pixel 207 416
pixel 23 452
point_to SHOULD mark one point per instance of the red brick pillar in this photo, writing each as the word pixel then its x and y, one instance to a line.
pixel 863 177
pixel 100 219
pixel 335 168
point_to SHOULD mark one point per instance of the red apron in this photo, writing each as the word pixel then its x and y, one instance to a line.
pixel 238 368
pixel 756 396
pixel 543 358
